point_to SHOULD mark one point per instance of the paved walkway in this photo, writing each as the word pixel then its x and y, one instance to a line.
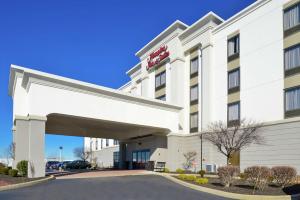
pixel 147 187
pixel 106 173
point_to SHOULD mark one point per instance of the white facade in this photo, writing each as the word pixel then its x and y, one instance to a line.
pixel 153 116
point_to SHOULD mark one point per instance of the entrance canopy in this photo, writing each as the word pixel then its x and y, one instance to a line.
pixel 48 103
pixel 77 108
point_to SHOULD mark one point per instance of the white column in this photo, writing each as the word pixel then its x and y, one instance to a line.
pixel 29 138
pixel 168 82
pixel 200 90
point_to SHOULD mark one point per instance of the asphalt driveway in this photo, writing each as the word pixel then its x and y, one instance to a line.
pixel 142 187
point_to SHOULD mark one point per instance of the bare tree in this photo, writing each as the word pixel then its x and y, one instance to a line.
pixel 81 153
pixel 189 159
pixel 11 150
pixel 229 140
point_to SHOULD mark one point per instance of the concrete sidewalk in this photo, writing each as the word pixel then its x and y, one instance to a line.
pixel 105 173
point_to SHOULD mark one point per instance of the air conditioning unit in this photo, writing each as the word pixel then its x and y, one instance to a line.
pixel 211 168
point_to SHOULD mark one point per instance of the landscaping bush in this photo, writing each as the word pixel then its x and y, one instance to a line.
pixel 180 171
pixel 191 178
pixel 187 177
pixel 284 175
pixel 243 176
pixel 5 171
pixel 1 168
pixel 22 166
pixel 201 181
pixel 258 176
pixel 201 172
pixel 227 173
pixel 166 170
pixel 13 172
pixel 182 176
pixel 2 165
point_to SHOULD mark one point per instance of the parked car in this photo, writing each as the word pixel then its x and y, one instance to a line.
pixel 51 164
pixel 78 164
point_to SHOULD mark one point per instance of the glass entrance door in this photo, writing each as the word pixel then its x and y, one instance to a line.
pixel 140 159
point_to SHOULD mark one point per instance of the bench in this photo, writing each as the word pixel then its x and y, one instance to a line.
pixel 159 167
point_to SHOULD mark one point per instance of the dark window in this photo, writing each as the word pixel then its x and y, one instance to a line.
pixel 162 98
pixel 233 113
pixel 291 17
pixel 160 80
pixel 194 122
pixel 107 142
pixel 101 144
pixel 116 142
pixel 96 144
pixel 233 81
pixel 292 60
pixel 233 47
pixel 194 94
pixel 292 102
pixel 194 66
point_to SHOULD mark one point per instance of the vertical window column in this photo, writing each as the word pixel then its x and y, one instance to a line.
pixel 233 79
pixel 194 91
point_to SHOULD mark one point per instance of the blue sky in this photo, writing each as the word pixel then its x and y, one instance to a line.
pixel 89 40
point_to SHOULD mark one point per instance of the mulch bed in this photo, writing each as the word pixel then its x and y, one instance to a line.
pixel 242 187
pixel 8 180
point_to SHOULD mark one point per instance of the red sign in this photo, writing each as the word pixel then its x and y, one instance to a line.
pixel 157 56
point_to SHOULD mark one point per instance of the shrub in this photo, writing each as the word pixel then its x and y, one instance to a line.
pixel 166 170
pixel 182 176
pixel 284 175
pixel 2 165
pixel 180 171
pixel 5 171
pixel 258 176
pixel 227 173
pixel 201 181
pixel 191 178
pixel 243 176
pixel 13 172
pixel 22 166
pixel 201 172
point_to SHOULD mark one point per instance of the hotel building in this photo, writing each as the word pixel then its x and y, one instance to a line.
pixel 189 76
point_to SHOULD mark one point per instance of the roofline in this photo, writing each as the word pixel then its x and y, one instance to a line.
pixel 51 78
pixel 240 14
pixel 125 85
pixel 176 24
pixel 134 69
pixel 191 30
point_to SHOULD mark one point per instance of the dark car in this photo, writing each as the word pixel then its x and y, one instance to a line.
pixel 78 164
pixel 51 164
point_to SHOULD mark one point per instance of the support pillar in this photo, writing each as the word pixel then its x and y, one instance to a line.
pixel 29 140
pixel 122 155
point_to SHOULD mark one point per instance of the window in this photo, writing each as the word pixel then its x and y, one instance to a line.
pixel 233 47
pixel 292 102
pixel 162 98
pixel 292 60
pixel 234 80
pixel 116 156
pixel 233 113
pixel 107 142
pixel 160 80
pixel 194 66
pixel 194 93
pixel 116 142
pixel 194 122
pixel 291 17
pixel 96 144
pixel 101 144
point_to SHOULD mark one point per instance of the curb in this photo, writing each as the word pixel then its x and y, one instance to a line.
pixel 228 194
pixel 26 184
